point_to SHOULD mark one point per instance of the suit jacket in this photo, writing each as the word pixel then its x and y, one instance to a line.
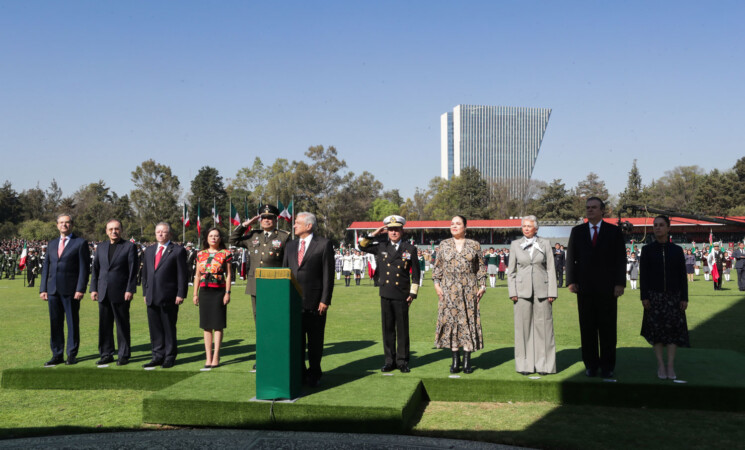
pixel 534 276
pixel 394 268
pixel 739 256
pixel 161 286
pixel 114 277
pixel 67 274
pixel 598 269
pixel 316 274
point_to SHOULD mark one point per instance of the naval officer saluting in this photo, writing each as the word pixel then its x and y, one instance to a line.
pixel 398 276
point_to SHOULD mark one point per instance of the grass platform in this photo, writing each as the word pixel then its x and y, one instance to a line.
pixel 354 394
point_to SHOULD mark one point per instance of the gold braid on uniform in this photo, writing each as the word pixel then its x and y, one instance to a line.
pixel 414 289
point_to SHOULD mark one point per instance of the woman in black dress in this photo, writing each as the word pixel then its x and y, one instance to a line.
pixel 664 294
pixel 212 293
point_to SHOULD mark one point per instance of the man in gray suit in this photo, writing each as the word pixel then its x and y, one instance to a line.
pixel 739 256
pixel 531 283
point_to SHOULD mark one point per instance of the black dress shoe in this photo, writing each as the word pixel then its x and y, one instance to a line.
pixel 54 361
pixel 387 368
pixel 122 361
pixel 152 363
pixel 105 360
pixel 71 360
pixel 167 364
pixel 404 368
pixel 314 382
pixel 591 373
pixel 607 374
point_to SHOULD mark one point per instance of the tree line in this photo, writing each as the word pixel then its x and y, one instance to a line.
pixel 323 184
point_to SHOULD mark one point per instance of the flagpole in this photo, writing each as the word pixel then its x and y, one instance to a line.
pixel 183 224
pixel 292 202
pixel 199 225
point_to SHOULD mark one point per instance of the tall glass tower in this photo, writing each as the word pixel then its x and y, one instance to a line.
pixel 502 142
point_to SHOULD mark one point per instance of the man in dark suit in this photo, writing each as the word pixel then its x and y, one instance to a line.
pixel 596 272
pixel 64 277
pixel 559 261
pixel 113 283
pixel 739 256
pixel 311 260
pixel 164 285
pixel 399 275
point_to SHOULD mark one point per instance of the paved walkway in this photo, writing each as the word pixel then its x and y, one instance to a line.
pixel 186 439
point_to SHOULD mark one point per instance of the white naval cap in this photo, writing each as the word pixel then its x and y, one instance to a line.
pixel 394 221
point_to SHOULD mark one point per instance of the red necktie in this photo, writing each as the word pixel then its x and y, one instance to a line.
pixel 595 235
pixel 157 256
pixel 60 247
pixel 301 253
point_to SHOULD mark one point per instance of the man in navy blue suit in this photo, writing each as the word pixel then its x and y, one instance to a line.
pixel 64 276
pixel 113 283
pixel 164 285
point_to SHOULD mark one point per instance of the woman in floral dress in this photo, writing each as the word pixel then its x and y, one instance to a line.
pixel 460 281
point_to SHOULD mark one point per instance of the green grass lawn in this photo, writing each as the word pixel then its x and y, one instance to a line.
pixel 714 319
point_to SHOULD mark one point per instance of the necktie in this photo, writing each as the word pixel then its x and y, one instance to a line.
pixel 594 235
pixel 301 253
pixel 61 247
pixel 158 255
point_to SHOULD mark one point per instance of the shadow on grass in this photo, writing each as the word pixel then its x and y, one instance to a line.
pixel 723 330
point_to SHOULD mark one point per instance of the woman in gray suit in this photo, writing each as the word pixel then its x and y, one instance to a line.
pixel 531 283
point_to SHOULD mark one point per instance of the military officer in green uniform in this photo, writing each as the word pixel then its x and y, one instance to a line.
pixel 398 277
pixel 265 245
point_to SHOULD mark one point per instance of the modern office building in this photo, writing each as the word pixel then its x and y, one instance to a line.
pixel 502 142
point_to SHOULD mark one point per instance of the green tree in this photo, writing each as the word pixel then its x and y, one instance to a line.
pixel 382 208
pixel 249 183
pixel 37 230
pixel 207 188
pixel 635 193
pixel 95 204
pixel 592 186
pixel 33 204
pixel 555 203
pixel 10 206
pixel 466 194
pixel 154 197
pixel 676 190
pixel 715 194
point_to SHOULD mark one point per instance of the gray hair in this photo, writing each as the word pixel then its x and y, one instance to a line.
pixel 65 215
pixel 168 225
pixel 309 218
pixel 530 218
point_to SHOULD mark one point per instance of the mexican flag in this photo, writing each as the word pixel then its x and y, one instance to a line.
pixel 235 219
pixel 285 213
pixel 714 270
pixel 24 255
pixel 185 216
pixel 215 215
pixel 199 219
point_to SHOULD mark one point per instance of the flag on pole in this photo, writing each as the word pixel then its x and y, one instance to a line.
pixel 235 220
pixel 199 219
pixel 24 255
pixel 286 213
pixel 215 215
pixel 185 216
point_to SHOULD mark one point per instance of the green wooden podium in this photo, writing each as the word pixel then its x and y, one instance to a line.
pixel 278 327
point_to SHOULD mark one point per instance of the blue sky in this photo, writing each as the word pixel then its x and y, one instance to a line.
pixel 90 89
